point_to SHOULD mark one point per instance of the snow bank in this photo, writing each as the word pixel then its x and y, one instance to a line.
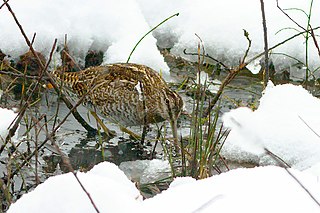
pixel 261 189
pixel 114 27
pixel 286 123
pixel 6 118
pixel 108 186
pixel 110 26
pixel 146 171
pixel 220 25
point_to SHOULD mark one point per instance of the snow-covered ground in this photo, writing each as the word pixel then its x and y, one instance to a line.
pixel 114 27
pixel 261 189
pixel 6 118
pixel 286 123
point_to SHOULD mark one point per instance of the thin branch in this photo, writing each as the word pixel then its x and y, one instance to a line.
pixel 51 134
pixel 87 193
pixel 71 58
pixel 309 126
pixel 67 162
pixel 279 44
pixel 286 14
pixel 305 30
pixel 266 50
pixel 207 56
pixel 231 75
pixel 279 160
pixel 25 106
pixel 3 4
pixel 20 75
pixel 246 34
pixel 33 38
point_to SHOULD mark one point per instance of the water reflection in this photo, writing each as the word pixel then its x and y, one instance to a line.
pixel 83 156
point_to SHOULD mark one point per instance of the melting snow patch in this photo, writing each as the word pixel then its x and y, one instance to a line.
pixel 6 118
pixel 285 123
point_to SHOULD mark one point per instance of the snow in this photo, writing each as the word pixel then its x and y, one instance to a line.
pixel 91 25
pixel 261 189
pixel 108 186
pixel 146 171
pixel 285 123
pixel 114 27
pixel 7 116
pixel 204 80
pixel 220 25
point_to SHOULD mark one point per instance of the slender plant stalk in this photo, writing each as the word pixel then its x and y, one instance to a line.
pixel 134 48
pixel 307 44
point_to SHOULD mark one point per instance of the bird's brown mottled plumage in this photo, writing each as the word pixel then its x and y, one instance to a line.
pixel 130 94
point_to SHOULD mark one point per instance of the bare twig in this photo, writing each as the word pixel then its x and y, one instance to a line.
pixel 49 136
pixel 285 166
pixel 308 126
pixel 286 14
pixel 246 34
pixel 33 38
pixel 279 44
pixel 277 158
pixel 3 4
pixel 87 193
pixel 300 26
pixel 67 162
pixel 21 75
pixel 24 107
pixel 266 50
pixel 231 75
pixel 207 56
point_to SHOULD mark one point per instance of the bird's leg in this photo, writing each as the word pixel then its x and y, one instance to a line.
pixel 144 133
pixel 107 131
pixel 129 132
pixel 144 130
pixel 173 123
pixel 111 133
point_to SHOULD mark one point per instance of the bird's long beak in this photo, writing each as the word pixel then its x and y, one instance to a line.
pixel 173 124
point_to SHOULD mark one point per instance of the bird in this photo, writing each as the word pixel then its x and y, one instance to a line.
pixel 125 93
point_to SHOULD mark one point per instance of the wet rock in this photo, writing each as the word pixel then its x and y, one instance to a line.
pixel 272 70
pixel 2 55
pixel 282 77
pixel 93 58
pixel 29 62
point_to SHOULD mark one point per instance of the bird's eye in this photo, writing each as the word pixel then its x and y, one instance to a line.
pixel 167 101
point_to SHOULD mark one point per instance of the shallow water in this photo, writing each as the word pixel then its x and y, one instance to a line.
pixel 85 151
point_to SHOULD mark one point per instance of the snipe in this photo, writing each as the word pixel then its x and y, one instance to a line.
pixel 128 94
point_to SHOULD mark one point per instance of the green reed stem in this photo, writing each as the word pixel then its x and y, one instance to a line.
pixel 134 48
